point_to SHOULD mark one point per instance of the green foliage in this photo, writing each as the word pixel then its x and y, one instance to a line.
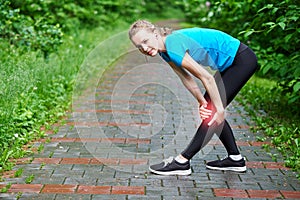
pixel 276 31
pixel 6 188
pixel 31 96
pixel 274 119
pixel 29 179
pixel 40 25
pixel 23 31
pixel 18 173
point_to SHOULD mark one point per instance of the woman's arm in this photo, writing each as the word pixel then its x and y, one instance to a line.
pixel 210 85
pixel 189 83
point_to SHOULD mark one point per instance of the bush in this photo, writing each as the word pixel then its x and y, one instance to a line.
pixel 27 102
pixel 22 31
pixel 275 30
pixel 39 25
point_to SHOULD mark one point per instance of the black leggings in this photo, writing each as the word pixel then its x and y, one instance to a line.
pixel 229 83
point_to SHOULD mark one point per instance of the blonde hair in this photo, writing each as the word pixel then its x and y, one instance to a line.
pixel 146 25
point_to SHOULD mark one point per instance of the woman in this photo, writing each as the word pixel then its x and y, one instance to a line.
pixel 187 51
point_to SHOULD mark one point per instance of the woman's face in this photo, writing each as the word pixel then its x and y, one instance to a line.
pixel 147 42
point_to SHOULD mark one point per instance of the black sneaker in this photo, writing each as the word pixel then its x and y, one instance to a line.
pixel 228 164
pixel 171 167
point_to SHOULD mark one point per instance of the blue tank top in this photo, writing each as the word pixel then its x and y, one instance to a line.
pixel 208 47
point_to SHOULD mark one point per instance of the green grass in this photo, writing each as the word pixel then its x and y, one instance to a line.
pixel 278 120
pixel 36 92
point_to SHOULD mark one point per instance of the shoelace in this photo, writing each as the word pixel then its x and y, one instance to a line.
pixel 168 161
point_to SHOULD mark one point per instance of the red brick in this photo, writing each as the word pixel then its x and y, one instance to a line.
pixel 267 165
pixel 128 124
pixel 125 94
pixel 241 126
pixel 133 161
pixel 137 141
pixel 242 143
pixel 2 186
pixel 85 189
pixel 255 164
pixel 97 111
pixel 224 192
pixel 63 139
pixel 137 124
pixel 118 101
pixel 21 160
pixel 290 194
pixel 144 141
pixel 264 193
pixel 275 165
pixel 8 174
pixel 75 161
pixel 85 124
pixel 87 139
pixel 130 190
pixel 59 189
pixel 104 124
pixel 116 111
pixel 42 140
pixel 25 188
pixel 27 146
pixel 259 144
pixel 105 161
pixel 114 140
pixel 47 160
pixel 49 132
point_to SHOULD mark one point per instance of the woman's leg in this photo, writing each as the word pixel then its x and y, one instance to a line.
pixel 205 133
pixel 229 83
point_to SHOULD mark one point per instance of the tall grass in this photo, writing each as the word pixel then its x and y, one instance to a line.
pixel 274 117
pixel 36 92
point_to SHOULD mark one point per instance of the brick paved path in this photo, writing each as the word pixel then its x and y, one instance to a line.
pixel 140 114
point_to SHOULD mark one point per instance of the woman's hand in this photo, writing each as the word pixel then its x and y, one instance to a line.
pixel 204 113
pixel 218 118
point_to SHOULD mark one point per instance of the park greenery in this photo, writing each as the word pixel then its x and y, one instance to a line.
pixel 44 42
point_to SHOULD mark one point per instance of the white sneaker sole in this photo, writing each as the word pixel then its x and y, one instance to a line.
pixel 177 172
pixel 235 169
